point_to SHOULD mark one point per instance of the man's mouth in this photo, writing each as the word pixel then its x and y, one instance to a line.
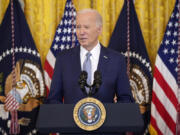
pixel 83 39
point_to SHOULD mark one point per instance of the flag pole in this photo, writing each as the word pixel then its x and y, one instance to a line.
pixel 128 46
pixel 128 38
pixel 14 128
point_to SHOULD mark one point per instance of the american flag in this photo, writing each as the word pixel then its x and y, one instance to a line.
pixel 12 104
pixel 13 100
pixel 65 38
pixel 165 85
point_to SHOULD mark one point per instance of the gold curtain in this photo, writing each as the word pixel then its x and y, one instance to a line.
pixel 43 16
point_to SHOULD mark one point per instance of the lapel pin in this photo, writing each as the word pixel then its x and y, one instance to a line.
pixel 105 57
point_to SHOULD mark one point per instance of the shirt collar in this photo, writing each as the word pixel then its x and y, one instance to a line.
pixel 95 51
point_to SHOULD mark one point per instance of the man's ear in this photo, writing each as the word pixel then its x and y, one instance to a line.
pixel 100 30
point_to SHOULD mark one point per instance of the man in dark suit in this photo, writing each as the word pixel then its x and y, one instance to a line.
pixel 70 64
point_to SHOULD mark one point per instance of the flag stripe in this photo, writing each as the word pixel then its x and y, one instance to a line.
pixel 160 125
pixel 164 85
pixel 162 97
pixel 51 59
pixel 49 68
pixel 153 122
pixel 11 103
pixel 168 75
pixel 48 71
pixel 47 81
pixel 163 112
pixel 8 98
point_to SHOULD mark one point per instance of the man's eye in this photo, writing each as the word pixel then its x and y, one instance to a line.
pixel 77 27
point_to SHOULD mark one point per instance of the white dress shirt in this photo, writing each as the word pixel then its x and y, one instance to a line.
pixel 94 58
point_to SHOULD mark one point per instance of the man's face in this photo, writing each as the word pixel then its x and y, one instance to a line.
pixel 86 29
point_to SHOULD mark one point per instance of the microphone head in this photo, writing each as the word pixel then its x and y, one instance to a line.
pixel 82 79
pixel 83 75
pixel 97 75
pixel 97 79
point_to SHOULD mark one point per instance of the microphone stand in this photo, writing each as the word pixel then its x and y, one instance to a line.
pixel 96 84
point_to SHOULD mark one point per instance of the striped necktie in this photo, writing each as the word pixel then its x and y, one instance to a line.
pixel 87 67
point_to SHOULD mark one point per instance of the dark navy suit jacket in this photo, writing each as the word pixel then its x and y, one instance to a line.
pixel 112 67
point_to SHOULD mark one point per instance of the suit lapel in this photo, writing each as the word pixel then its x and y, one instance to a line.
pixel 76 64
pixel 103 60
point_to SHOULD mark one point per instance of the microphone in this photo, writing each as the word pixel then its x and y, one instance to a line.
pixel 97 80
pixel 82 80
pixel 96 83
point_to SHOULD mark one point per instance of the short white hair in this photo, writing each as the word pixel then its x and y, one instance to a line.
pixel 99 21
